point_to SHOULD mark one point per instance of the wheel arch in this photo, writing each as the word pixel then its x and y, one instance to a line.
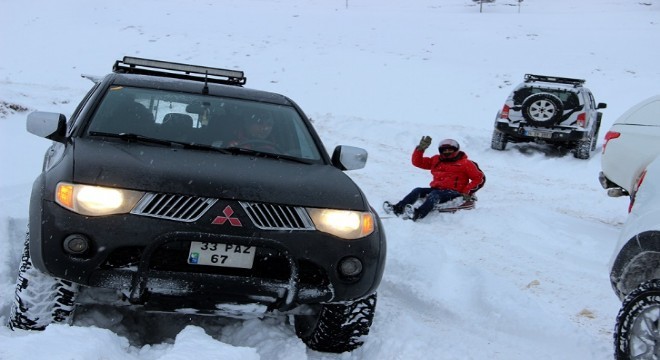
pixel 637 262
pixel 35 223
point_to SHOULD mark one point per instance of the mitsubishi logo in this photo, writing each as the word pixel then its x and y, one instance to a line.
pixel 228 212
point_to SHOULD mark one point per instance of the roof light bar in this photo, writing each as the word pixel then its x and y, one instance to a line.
pixel 182 67
pixel 143 66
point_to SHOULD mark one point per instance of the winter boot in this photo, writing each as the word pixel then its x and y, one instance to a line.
pixel 389 208
pixel 409 212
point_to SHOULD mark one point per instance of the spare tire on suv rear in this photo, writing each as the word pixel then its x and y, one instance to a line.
pixel 542 109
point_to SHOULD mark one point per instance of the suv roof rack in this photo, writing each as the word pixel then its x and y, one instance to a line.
pixel 554 79
pixel 134 65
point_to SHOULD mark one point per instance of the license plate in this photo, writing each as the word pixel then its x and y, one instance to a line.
pixel 226 255
pixel 540 134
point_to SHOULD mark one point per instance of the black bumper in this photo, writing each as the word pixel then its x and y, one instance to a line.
pixel 520 134
pixel 147 258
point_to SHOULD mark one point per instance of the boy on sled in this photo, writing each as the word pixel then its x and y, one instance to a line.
pixel 455 179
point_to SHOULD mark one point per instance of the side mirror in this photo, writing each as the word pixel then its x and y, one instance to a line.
pixel 601 106
pixel 349 158
pixel 47 125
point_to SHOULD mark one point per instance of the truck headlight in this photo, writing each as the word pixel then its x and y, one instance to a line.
pixel 96 200
pixel 346 224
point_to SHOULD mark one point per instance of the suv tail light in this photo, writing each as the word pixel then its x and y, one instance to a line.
pixel 582 119
pixel 609 136
pixel 633 193
pixel 505 112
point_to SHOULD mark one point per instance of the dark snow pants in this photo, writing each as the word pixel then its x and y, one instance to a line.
pixel 432 197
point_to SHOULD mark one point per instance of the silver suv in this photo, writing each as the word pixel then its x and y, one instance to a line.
pixel 550 110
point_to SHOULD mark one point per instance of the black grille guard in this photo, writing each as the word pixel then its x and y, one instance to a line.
pixel 287 293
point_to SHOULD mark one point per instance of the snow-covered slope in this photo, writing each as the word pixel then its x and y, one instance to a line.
pixel 524 275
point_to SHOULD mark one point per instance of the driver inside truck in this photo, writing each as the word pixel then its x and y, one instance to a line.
pixel 254 133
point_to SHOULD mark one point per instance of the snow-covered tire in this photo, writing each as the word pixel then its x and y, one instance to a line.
pixel 637 329
pixel 542 109
pixel 337 327
pixel 40 299
pixel 583 148
pixel 499 141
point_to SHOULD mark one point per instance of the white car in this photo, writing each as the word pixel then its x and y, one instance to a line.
pixel 632 143
pixel 635 271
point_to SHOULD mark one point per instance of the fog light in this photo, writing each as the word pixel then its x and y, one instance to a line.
pixel 76 244
pixel 350 266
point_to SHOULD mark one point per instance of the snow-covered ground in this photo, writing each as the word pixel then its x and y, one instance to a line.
pixel 523 276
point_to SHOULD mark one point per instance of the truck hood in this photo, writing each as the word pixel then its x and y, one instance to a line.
pixel 156 168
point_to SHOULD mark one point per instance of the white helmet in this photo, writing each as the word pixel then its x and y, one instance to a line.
pixel 449 143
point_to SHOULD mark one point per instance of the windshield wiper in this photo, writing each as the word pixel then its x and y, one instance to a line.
pixel 147 139
pixel 243 151
pixel 130 137
pixel 200 146
pixel 230 150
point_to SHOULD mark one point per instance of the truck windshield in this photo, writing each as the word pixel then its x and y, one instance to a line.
pixel 205 120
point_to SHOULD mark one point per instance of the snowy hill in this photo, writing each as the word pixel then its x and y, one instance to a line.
pixel 524 275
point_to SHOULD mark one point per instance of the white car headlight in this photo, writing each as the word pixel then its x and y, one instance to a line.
pixel 96 200
pixel 345 224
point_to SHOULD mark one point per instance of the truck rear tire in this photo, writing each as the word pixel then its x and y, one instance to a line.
pixel 499 140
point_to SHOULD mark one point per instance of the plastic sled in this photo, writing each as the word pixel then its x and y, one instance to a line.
pixel 450 206
pixel 456 204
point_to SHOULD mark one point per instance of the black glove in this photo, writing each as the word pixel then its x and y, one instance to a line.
pixel 468 197
pixel 424 143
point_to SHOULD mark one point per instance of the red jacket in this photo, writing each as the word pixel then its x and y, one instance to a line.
pixel 459 173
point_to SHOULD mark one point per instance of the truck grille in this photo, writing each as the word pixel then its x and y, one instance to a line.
pixel 277 217
pixel 173 207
